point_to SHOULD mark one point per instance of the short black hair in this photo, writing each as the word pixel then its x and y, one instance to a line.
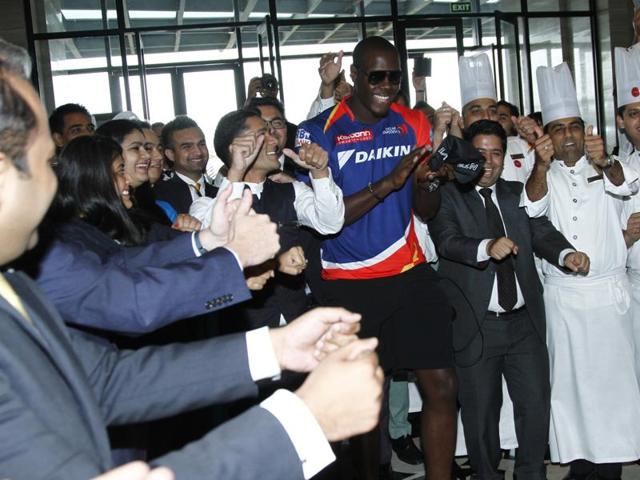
pixel 181 122
pixel 486 127
pixel 118 129
pixel 17 121
pixel 143 124
pixel 229 127
pixel 56 120
pixel 369 44
pixel 157 124
pixel 621 111
pixel 514 110
pixel 257 102
pixel 537 116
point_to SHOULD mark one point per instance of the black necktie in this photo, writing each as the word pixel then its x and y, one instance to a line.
pixel 507 294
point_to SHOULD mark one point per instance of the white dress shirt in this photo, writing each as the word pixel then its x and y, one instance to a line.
pixel 320 206
pixel 588 213
pixel 192 189
pixel 319 105
pixel 632 205
pixel 301 426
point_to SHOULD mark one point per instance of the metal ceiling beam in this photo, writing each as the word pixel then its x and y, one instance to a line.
pixel 244 16
pixel 179 20
pixel 127 24
pixel 52 10
pixel 412 11
pixel 312 5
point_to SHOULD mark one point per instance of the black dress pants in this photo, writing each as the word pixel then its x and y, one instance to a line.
pixel 510 347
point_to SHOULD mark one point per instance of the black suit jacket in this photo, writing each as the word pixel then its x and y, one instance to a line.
pixel 177 193
pixel 59 388
pixel 458 229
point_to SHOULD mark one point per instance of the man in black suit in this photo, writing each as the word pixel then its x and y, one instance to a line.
pixel 186 147
pixel 59 388
pixel 486 244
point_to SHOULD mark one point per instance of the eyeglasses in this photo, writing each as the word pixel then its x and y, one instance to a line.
pixel 376 77
pixel 277 123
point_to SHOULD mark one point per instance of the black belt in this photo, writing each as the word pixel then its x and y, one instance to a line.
pixel 505 315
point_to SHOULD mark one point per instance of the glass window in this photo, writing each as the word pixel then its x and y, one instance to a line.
pixel 159 95
pixel 322 9
pixel 557 5
pixel 78 70
pixel 554 40
pixel 66 16
pixel 206 108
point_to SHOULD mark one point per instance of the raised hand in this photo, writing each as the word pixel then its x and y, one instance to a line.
pixel 257 277
pixel 526 128
pixel 330 67
pixel 543 147
pixel 293 261
pixel 252 237
pixel 136 471
pixel 502 247
pixel 186 223
pixel 594 148
pixel 344 392
pixel 244 150
pixel 406 166
pixel 301 344
pixel 311 157
pixel 577 262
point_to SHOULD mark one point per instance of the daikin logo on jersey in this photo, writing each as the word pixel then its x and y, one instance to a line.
pixel 373 154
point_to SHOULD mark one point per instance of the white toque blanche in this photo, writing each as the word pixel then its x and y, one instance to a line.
pixel 557 93
pixel 476 78
pixel 627 75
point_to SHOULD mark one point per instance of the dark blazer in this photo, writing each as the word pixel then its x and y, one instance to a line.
pixel 95 282
pixel 59 388
pixel 177 193
pixel 458 229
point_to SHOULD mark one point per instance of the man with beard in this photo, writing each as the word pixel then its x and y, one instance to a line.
pixel 595 397
pixel 185 146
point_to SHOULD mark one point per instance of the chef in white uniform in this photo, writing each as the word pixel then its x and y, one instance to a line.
pixel 479 101
pixel 595 396
pixel 628 121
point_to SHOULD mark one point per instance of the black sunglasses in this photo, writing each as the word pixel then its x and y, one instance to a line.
pixel 377 77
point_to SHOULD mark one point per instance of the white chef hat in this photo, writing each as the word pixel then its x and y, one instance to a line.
pixel 476 78
pixel 627 75
pixel 557 93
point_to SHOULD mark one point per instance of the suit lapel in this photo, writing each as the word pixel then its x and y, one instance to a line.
pixel 476 208
pixel 56 344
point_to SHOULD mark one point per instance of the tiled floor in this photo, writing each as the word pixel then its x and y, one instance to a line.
pixel 554 471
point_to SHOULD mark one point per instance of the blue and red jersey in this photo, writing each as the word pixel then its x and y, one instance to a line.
pixel 383 242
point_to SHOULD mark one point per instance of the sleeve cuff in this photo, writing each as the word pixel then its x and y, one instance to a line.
pixel 196 251
pixel 262 358
pixel 534 209
pixel 235 255
pixel 482 255
pixel 630 185
pixel 303 430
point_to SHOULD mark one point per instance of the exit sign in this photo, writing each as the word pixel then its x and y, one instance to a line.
pixel 460 7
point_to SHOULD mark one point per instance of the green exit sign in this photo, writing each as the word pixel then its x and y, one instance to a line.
pixel 460 7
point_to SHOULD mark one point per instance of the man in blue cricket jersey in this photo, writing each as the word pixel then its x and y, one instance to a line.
pixel 375 265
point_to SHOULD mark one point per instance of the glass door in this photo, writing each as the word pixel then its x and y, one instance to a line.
pixel 509 63
pixel 440 40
